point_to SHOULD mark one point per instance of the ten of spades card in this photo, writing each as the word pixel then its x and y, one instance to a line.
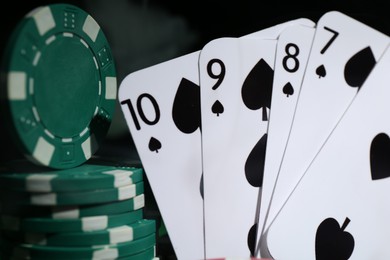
pixel 161 105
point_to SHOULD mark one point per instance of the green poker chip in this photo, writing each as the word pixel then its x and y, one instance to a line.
pixel 125 233
pixel 148 254
pixel 60 87
pixel 74 212
pixel 114 251
pixel 74 198
pixel 84 177
pixel 47 225
pixel 109 208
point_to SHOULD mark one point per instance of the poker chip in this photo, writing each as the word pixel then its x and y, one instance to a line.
pixel 75 198
pixel 125 233
pixel 112 251
pixel 47 225
pixel 60 86
pixel 58 97
pixel 147 254
pixel 74 212
pixel 84 177
pixel 117 207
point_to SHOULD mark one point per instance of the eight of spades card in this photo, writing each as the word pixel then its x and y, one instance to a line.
pixel 339 209
pixel 236 77
pixel 161 105
pixel 292 53
pixel 343 53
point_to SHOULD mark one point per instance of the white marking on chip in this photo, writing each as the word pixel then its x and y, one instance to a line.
pixel 49 133
pixel 43 151
pixel 94 223
pixel 96 111
pixel 100 87
pixel 84 43
pixel 34 11
pixel 35 112
pixel 17 85
pixel 91 28
pixel 120 177
pixel 31 88
pixel 44 199
pixel 105 253
pixel 139 202
pixel 94 60
pixel 44 20
pixel 126 192
pixel 69 212
pixel 111 87
pixel 36 58
pixel 67 34
pixel 50 39
pixel 121 234
pixel 66 140
pixel 119 172
pixel 84 131
pixel 39 182
pixel 86 146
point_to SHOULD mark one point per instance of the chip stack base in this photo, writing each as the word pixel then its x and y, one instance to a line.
pixel 57 214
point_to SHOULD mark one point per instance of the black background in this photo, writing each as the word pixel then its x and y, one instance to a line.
pixel 203 22
pixel 146 23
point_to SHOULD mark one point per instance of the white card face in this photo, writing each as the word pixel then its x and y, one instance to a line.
pixel 231 202
pixel 340 208
pixel 343 53
pixel 236 96
pixel 273 32
pixel 162 109
pixel 171 156
pixel 292 54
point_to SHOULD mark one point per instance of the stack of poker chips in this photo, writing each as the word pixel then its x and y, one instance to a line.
pixel 94 211
pixel 58 96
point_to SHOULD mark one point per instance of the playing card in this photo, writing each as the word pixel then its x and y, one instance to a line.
pixel 344 52
pixel 292 53
pixel 339 209
pixel 161 105
pixel 236 98
pixel 162 110
pixel 236 77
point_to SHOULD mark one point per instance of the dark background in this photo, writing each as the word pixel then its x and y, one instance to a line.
pixel 142 33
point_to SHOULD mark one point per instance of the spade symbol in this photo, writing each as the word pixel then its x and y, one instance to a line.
pixel 256 90
pixel 379 157
pixel 254 165
pixel 217 108
pixel 358 67
pixel 332 241
pixel 321 71
pixel 251 240
pixel 186 107
pixel 288 89
pixel 154 145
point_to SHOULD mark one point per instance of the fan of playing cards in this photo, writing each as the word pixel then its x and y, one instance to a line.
pixel 275 144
